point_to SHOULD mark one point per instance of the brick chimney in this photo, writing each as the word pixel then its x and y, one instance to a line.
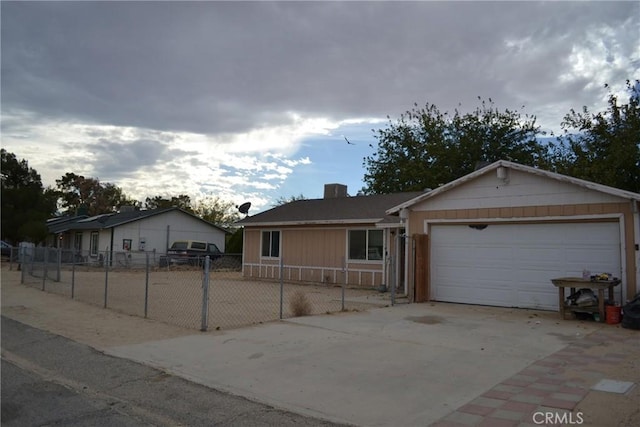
pixel 332 191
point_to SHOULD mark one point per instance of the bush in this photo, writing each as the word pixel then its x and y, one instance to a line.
pixel 299 304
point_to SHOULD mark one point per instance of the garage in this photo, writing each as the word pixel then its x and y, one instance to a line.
pixel 511 265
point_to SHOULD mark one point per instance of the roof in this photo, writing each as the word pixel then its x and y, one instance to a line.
pixel 111 220
pixel 337 210
pixel 515 166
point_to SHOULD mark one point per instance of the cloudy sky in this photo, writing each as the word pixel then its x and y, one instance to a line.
pixel 251 101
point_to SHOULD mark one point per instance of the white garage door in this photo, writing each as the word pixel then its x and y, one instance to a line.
pixel 512 265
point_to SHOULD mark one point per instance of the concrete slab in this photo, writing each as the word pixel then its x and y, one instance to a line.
pixel 405 365
pixel 613 386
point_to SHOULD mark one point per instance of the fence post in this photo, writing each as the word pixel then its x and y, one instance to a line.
pixel 281 286
pixel 22 256
pixel 392 271
pixel 73 276
pixel 46 263
pixel 59 265
pixel 346 277
pixel 146 287
pixel 106 277
pixel 205 295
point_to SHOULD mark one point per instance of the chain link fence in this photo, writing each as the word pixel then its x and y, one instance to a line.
pixel 203 294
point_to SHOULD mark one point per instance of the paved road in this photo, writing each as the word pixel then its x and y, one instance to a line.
pixel 50 380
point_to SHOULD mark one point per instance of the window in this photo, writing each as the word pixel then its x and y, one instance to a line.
pixel 365 245
pixel 201 246
pixel 271 244
pixel 77 241
pixel 93 243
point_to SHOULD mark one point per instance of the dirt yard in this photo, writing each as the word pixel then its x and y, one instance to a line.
pixel 176 296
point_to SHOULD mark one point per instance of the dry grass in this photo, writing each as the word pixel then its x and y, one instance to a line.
pixel 300 304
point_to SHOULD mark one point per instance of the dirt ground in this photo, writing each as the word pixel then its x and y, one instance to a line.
pixel 176 296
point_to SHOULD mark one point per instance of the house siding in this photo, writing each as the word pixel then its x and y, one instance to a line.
pixel 315 254
pixel 163 229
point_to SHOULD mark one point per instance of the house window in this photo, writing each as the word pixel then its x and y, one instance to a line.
pixel 93 243
pixel 365 245
pixel 77 241
pixel 271 244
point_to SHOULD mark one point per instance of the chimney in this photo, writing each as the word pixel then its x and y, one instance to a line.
pixel 332 191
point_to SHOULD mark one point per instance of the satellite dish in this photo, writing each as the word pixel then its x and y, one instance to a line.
pixel 244 208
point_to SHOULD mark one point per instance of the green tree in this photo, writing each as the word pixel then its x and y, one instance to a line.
pixel 217 211
pixel 603 147
pixel 78 192
pixel 426 148
pixel 25 204
pixel 284 200
pixel 235 241
pixel 182 201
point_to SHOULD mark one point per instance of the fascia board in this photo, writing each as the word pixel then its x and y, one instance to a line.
pixel 317 222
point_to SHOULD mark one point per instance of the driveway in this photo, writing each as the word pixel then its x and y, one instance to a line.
pixel 404 365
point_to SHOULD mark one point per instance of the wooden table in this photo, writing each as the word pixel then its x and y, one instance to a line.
pixel 579 283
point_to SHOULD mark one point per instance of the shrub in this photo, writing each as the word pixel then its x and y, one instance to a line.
pixel 299 304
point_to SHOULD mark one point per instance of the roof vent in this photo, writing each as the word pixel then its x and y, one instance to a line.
pixel 333 191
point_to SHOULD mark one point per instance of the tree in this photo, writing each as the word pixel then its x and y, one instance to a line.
pixel 284 200
pixel 603 147
pixel 25 204
pixel 217 211
pixel 426 148
pixel 182 201
pixel 77 192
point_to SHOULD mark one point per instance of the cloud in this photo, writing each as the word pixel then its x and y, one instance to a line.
pixel 217 67
pixel 225 96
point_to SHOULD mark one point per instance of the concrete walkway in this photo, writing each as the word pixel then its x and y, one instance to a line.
pixel 409 365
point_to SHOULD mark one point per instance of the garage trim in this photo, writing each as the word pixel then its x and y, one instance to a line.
pixel 619 218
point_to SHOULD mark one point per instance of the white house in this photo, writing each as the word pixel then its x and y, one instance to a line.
pixel 132 231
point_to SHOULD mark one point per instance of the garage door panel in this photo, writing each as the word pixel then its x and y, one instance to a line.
pixel 512 265
pixel 539 299
pixel 490 295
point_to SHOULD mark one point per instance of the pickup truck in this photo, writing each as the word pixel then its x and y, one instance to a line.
pixel 190 252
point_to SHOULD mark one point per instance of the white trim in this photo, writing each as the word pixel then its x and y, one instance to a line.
pixel 270 272
pixel 279 244
pixel 636 243
pixel 578 218
pixel 572 218
pixel 364 261
pixel 312 222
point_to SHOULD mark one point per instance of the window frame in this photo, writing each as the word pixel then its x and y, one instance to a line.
pixel 271 244
pixel 367 245
pixel 94 242
pixel 77 241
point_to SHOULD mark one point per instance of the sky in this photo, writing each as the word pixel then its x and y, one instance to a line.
pixel 252 101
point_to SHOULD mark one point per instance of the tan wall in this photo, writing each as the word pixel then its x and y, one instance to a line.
pixel 311 255
pixel 417 220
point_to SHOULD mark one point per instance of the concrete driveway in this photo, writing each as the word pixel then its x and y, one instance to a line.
pixel 404 365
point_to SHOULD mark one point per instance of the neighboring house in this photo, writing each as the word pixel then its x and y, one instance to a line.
pixel 500 234
pixel 131 231
pixel 334 240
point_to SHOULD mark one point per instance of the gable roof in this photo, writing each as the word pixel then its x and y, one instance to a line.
pixel 336 210
pixel 112 220
pixel 515 166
